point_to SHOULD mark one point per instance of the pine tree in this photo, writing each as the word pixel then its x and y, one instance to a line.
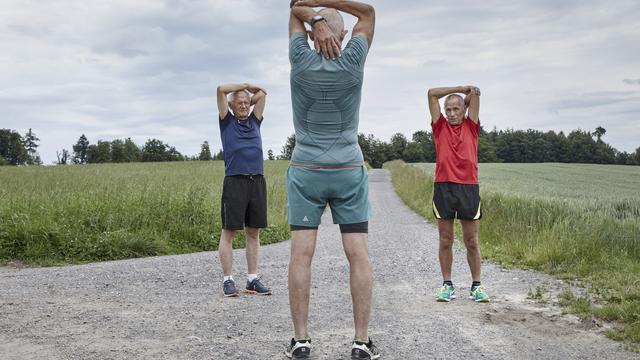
pixel 81 150
pixel 205 152
pixel 30 142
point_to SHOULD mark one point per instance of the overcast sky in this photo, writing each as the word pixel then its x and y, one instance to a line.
pixel 149 68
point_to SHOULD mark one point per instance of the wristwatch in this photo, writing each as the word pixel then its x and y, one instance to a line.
pixel 315 19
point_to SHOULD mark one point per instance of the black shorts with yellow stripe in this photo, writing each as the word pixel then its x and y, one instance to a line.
pixel 456 201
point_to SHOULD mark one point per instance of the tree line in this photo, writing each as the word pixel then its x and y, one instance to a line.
pixel 508 146
pixel 22 150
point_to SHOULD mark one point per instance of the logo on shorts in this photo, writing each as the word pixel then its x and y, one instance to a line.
pixel 305 219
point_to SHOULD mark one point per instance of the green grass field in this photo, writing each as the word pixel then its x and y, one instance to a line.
pixel 73 214
pixel 571 220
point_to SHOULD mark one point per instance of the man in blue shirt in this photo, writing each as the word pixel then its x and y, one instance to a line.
pixel 244 192
pixel 327 166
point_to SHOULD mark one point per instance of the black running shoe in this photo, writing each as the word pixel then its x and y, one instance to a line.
pixel 229 288
pixel 256 287
pixel 298 349
pixel 362 350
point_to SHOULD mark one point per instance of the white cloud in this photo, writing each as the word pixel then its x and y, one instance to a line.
pixel 149 68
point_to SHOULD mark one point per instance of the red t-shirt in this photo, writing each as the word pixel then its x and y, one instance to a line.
pixel 456 151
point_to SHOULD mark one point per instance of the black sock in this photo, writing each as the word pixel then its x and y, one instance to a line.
pixel 475 283
pixel 447 282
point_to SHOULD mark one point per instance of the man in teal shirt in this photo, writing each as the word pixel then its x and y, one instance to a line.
pixel 327 166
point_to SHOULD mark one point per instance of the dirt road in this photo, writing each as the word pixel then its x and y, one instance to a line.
pixel 171 307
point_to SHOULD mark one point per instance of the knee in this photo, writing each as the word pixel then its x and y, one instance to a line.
pixel 227 236
pixel 359 259
pixel 446 242
pixel 471 243
pixel 252 234
pixel 301 258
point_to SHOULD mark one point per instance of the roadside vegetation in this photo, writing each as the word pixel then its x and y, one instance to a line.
pixel 575 221
pixel 74 214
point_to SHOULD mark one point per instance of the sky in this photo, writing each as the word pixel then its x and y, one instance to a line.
pixel 149 68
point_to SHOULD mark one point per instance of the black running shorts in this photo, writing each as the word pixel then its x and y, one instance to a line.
pixel 244 202
pixel 456 201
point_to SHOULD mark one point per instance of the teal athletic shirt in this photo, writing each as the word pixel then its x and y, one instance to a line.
pixel 325 95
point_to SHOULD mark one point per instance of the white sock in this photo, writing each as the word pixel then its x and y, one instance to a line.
pixel 251 277
pixel 230 277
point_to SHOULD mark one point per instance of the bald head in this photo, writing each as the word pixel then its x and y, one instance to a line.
pixel 334 20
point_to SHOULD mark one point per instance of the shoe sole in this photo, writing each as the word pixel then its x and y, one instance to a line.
pixel 304 356
pixel 445 300
pixel 479 301
pixel 231 295
pixel 253 292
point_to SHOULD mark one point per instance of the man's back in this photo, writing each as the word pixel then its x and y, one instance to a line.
pixel 326 102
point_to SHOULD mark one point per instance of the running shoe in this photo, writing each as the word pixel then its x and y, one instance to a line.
pixel 257 288
pixel 479 294
pixel 361 350
pixel 299 349
pixel 445 293
pixel 229 288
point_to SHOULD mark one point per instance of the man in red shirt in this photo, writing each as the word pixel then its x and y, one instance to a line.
pixel 456 190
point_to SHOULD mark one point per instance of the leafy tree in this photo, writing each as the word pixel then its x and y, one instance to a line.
pixel 287 149
pixel 12 148
pixel 205 152
pixel 398 144
pixel 413 153
pixel 219 155
pixel 426 142
pixel 99 153
pixel 365 147
pixel 156 150
pixel 270 155
pixel 131 150
pixel 80 150
pixel 117 151
pixel 30 141
pixel 374 151
pixel 63 157
pixel 599 132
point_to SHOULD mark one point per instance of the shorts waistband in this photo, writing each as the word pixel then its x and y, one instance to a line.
pixel 309 166
pixel 246 176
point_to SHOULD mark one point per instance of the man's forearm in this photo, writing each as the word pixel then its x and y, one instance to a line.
pixel 354 8
pixel 257 96
pixel 229 88
pixel 444 91
pixel 303 13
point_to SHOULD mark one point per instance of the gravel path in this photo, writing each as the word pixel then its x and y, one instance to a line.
pixel 171 307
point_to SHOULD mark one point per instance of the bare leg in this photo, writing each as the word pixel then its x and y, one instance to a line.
pixel 361 281
pixel 303 245
pixel 252 236
pixel 445 253
pixel 470 236
pixel 225 251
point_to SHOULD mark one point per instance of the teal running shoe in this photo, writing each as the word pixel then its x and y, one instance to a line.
pixel 445 293
pixel 479 294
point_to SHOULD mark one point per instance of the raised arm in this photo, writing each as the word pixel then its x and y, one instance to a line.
pixel 324 40
pixel 472 101
pixel 223 91
pixel 258 100
pixel 364 12
pixel 435 94
pixel 297 19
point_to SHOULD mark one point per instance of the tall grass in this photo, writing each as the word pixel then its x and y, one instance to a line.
pixel 72 214
pixel 573 221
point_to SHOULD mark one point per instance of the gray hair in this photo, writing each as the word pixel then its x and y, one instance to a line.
pixel 235 94
pixel 454 96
